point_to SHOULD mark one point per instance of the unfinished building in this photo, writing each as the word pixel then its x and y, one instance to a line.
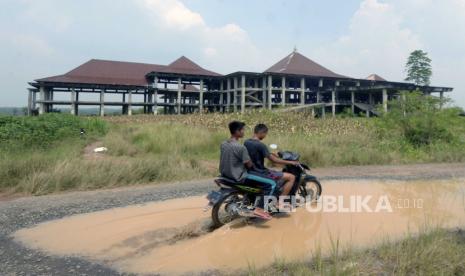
pixel 293 83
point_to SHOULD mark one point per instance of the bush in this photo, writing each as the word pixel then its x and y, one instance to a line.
pixel 420 120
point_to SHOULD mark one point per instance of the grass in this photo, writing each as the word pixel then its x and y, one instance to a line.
pixel 436 252
pixel 42 155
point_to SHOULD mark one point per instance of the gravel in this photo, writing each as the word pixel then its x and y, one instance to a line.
pixel 16 259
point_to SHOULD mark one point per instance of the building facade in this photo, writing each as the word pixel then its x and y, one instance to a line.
pixel 293 83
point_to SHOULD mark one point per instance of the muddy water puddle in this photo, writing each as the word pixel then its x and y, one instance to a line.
pixel 172 237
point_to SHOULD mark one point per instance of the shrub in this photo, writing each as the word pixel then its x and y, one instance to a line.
pixel 420 120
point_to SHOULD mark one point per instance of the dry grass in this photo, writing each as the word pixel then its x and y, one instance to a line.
pixel 437 252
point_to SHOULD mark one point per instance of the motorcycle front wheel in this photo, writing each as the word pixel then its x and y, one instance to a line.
pixel 310 190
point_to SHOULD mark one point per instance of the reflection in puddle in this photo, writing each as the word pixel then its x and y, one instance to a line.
pixel 171 237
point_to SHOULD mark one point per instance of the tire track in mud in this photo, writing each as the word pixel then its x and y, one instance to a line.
pixel 26 212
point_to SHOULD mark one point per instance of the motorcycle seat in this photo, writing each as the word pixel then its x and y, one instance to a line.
pixel 225 181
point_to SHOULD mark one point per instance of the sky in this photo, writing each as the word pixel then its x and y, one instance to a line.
pixel 354 38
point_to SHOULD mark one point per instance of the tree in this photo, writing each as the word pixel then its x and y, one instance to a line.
pixel 418 68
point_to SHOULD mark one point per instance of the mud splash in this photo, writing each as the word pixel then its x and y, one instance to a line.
pixel 171 237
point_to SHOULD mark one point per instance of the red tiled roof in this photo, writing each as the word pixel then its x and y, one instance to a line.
pixel 375 77
pixel 109 72
pixel 297 64
pixel 186 66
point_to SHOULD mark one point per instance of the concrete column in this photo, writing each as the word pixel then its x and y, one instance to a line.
pixel 283 91
pixel 242 93
pixel 323 111
pixel 221 97
pixel 235 94
pixel 73 102
pixel 102 104
pixel 385 100
pixel 270 91
pixel 318 96
pixel 29 102
pixel 179 96
pixel 264 92
pixel 302 91
pixel 42 98
pixel 34 99
pixel 441 99
pixel 76 105
pixel 155 96
pixel 201 96
pixel 352 100
pixel 228 95
pixel 333 102
pixel 320 83
pixel 130 102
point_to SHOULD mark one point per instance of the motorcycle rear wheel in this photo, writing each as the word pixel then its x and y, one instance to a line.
pixel 220 214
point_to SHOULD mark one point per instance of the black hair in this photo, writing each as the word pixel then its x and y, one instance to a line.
pixel 235 126
pixel 260 128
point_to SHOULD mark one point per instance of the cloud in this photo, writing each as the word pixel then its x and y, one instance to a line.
pixel 376 42
pixel 174 14
pixel 381 35
pixel 223 48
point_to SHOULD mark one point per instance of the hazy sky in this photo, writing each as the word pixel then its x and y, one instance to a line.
pixel 354 38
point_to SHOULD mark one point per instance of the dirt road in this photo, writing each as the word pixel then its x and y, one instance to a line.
pixel 20 213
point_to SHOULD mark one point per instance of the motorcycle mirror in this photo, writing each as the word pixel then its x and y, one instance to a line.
pixel 273 146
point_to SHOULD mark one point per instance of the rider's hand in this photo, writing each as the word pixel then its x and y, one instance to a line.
pixel 295 163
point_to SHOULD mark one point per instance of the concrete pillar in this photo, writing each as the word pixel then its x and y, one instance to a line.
pixel 228 95
pixel 73 102
pixel 323 111
pixel 242 93
pixel 385 100
pixel 221 97
pixel 283 91
pixel 102 104
pixel 320 83
pixel 441 99
pixel 201 96
pixel 333 102
pixel 302 91
pixel 42 98
pixel 352 100
pixel 235 94
pixel 29 102
pixel 155 96
pixel 318 96
pixel 76 105
pixel 130 102
pixel 270 91
pixel 179 96
pixel 34 99
pixel 264 92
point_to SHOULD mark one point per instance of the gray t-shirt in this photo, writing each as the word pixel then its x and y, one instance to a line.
pixel 233 157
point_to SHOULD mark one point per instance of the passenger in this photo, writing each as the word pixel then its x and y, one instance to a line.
pixel 234 162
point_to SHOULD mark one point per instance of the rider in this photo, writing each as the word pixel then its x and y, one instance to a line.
pixel 258 151
pixel 234 162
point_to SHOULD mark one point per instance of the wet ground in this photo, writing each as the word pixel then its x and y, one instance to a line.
pixel 172 236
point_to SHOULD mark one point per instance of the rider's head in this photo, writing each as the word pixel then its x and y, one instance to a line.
pixel 260 131
pixel 237 129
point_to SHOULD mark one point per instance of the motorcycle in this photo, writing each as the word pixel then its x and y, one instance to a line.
pixel 235 200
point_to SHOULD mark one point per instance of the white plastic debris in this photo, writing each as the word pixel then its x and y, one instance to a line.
pixel 100 150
